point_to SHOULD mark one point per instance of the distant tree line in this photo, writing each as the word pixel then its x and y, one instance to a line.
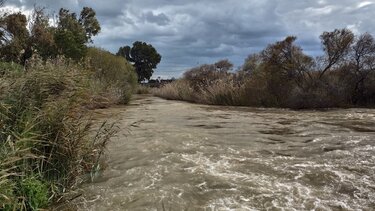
pixel 343 75
pixel 281 75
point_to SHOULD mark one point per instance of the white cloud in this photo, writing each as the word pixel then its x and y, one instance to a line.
pixel 364 4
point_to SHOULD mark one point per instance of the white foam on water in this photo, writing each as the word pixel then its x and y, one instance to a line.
pixel 241 170
pixel 228 204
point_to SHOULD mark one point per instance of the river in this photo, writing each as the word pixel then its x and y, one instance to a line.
pixel 171 155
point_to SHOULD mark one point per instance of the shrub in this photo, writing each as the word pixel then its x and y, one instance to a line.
pixel 143 90
pixel 45 134
pixel 10 69
pixel 35 193
pixel 116 76
pixel 178 90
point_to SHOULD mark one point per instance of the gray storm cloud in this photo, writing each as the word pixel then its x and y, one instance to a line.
pixel 191 32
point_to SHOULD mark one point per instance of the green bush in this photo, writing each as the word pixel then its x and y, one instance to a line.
pixel 36 193
pixel 45 134
pixel 116 75
pixel 10 69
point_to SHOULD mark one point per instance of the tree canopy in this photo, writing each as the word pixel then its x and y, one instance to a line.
pixel 14 37
pixel 73 34
pixel 144 57
pixel 20 37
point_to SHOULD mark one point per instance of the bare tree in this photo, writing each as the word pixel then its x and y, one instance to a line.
pixel 362 61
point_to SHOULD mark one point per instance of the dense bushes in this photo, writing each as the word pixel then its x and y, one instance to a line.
pixel 46 143
pixel 115 76
pixel 46 147
pixel 283 76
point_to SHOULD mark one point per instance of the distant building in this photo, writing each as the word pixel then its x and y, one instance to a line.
pixel 158 82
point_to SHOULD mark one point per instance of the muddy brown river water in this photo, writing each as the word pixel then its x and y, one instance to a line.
pixel 171 155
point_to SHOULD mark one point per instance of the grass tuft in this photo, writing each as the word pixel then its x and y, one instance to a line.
pixel 46 142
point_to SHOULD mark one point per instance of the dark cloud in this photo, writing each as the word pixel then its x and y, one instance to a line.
pixel 191 32
pixel 160 19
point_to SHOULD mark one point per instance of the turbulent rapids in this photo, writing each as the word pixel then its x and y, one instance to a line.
pixel 173 155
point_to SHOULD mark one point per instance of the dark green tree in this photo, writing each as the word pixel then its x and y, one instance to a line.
pixel 89 22
pixel 72 34
pixel 144 57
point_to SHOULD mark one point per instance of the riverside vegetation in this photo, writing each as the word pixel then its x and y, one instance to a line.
pixel 49 83
pixel 283 76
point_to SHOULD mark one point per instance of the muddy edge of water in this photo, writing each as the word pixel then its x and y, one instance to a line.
pixel 171 155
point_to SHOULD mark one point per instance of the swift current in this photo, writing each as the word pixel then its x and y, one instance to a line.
pixel 171 155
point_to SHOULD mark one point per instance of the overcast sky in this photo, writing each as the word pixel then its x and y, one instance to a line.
pixel 191 32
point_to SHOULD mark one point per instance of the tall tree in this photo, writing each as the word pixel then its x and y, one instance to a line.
pixel 89 22
pixel 14 37
pixel 72 34
pixel 336 46
pixel 41 35
pixel 144 57
pixel 279 68
pixel 287 61
pixel 361 65
pixel 68 38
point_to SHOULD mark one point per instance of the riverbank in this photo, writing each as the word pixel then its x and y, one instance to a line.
pixel 46 144
pixel 283 76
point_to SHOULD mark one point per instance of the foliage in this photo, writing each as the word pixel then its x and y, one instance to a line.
pixel 45 144
pixel 336 45
pixel 116 75
pixel 69 37
pixel 10 69
pixel 178 90
pixel 72 33
pixel 42 40
pixel 14 37
pixel 89 22
pixel 283 76
pixel 144 57
pixel 35 192
pixel 206 75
